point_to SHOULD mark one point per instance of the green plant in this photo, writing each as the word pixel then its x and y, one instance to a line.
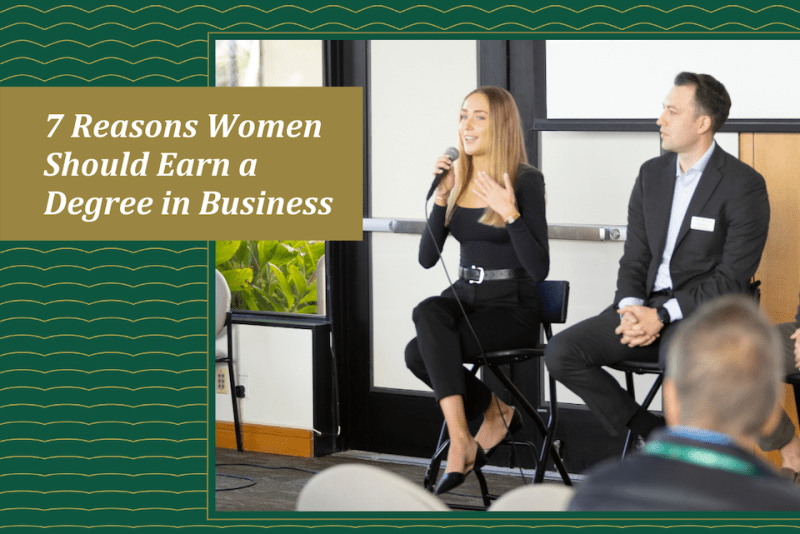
pixel 271 275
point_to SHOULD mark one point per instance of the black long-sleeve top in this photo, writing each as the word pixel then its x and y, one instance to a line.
pixel 520 244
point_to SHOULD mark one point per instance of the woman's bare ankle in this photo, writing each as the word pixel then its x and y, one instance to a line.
pixel 496 410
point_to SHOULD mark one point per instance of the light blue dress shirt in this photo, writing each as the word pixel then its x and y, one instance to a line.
pixel 701 434
pixel 685 186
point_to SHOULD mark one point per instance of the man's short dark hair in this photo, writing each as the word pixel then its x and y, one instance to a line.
pixel 711 96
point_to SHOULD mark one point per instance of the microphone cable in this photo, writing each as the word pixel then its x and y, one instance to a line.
pixel 252 482
pixel 477 341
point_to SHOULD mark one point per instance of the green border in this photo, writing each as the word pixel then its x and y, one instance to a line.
pixel 96 43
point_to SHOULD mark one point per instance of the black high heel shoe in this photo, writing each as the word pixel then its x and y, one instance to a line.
pixel 454 479
pixel 514 426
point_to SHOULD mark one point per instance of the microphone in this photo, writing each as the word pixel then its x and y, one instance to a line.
pixel 452 152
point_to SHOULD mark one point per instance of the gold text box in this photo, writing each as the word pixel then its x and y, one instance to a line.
pixel 304 180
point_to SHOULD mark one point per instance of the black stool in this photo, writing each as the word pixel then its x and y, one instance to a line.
pixel 227 358
pixel 794 380
pixel 555 297
pixel 629 367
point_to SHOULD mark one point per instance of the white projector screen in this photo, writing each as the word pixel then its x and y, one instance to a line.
pixel 629 79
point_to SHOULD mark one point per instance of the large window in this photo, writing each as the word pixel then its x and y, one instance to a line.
pixel 277 276
pixel 269 63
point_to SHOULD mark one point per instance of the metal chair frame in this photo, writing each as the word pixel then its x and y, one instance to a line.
pixel 555 298
pixel 629 367
pixel 232 378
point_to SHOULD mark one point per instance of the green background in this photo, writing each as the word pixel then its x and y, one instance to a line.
pixel 104 347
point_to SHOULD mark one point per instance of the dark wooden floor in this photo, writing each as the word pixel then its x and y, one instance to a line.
pixel 279 479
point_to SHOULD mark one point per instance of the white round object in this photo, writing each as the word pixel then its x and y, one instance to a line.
pixel 223 300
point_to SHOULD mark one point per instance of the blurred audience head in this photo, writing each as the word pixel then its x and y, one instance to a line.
pixel 724 368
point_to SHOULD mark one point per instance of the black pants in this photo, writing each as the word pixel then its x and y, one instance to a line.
pixel 504 315
pixel 576 357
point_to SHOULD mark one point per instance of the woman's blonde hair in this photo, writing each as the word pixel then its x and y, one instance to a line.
pixel 506 150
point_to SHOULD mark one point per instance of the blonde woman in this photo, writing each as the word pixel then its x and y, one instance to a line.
pixel 493 203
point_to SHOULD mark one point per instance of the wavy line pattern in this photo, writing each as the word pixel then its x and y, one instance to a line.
pixel 103 249
pixel 105 301
pixel 92 80
pixel 100 388
pixel 137 423
pixel 108 387
pixel 103 405
pixel 84 371
pixel 416 25
pixel 90 286
pixel 158 44
pixel 406 526
pixel 102 59
pixel 108 457
pixel 39 319
pixel 411 8
pixel 58 336
pixel 108 508
pixel 130 44
pixel 132 269
pixel 91 475
pixel 100 440
pixel 177 355
pixel 100 492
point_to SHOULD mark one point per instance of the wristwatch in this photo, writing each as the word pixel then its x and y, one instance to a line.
pixel 513 217
pixel 663 315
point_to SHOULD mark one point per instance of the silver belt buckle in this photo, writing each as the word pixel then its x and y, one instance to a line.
pixel 480 277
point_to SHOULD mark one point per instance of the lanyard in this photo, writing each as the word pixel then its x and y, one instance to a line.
pixel 702 457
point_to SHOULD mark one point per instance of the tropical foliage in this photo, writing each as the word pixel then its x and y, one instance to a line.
pixel 278 276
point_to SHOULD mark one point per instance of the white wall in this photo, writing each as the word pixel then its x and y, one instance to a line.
pixel 629 79
pixel 417 91
pixel 277 362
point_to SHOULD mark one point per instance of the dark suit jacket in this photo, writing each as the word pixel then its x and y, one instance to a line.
pixel 649 483
pixel 704 264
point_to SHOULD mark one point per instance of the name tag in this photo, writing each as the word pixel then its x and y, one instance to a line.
pixel 703 224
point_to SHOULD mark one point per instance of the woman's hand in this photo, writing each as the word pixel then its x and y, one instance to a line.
pixel 448 180
pixel 500 199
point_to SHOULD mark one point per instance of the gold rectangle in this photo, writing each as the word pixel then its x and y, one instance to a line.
pixel 287 166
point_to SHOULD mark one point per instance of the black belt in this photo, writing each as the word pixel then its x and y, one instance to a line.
pixel 478 275
pixel 662 292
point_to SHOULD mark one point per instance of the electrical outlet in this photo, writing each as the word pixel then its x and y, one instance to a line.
pixel 222 380
pixel 244 380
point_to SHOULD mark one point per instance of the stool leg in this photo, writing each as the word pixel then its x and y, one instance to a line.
pixel 547 447
pixel 796 388
pixel 432 473
pixel 237 427
pixel 645 404
pixel 653 391
pixel 484 487
pixel 531 411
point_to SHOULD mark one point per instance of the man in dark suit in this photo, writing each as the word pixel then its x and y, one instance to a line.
pixel 697 225
pixel 724 375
